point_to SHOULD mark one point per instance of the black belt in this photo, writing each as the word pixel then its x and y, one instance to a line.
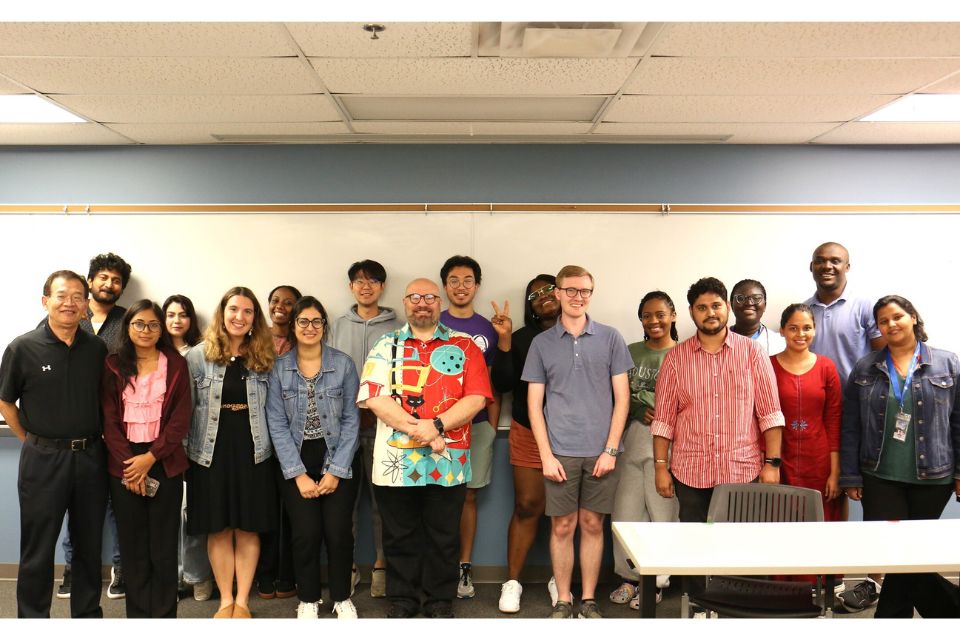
pixel 76 444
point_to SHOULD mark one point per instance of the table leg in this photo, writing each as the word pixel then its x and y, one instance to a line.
pixel 648 596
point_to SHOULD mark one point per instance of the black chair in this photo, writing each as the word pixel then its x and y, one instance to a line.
pixel 741 597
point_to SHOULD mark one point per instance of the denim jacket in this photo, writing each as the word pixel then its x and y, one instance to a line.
pixel 935 426
pixel 207 389
pixel 336 396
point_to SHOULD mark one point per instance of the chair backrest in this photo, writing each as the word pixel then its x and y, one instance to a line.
pixel 755 502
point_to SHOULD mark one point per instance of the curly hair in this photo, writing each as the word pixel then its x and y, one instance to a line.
pixel 705 285
pixel 110 262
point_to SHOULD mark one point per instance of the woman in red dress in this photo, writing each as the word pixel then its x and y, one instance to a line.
pixel 811 398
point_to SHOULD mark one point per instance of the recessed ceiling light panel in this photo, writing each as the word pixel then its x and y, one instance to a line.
pixel 919 108
pixel 30 109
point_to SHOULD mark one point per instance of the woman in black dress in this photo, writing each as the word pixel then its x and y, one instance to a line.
pixel 232 495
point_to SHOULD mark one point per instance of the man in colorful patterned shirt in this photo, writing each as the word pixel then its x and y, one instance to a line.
pixel 425 383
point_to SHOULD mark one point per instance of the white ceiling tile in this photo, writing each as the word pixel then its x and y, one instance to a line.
pixel 740 133
pixel 473 128
pixel 399 40
pixel 162 76
pixel 204 133
pixel 143 39
pixel 478 108
pixel 893 133
pixel 809 39
pixel 194 109
pixel 787 76
pixel 475 76
pixel 685 109
pixel 56 134
pixel 10 87
pixel 950 85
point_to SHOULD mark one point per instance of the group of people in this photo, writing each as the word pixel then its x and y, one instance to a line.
pixel 271 422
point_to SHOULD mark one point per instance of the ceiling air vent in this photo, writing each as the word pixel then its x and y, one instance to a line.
pixel 564 39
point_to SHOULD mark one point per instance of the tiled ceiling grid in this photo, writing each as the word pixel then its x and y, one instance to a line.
pixel 733 83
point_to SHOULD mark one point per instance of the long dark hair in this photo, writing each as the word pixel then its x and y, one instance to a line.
pixel 659 295
pixel 530 319
pixel 918 331
pixel 301 305
pixel 126 351
pixel 193 334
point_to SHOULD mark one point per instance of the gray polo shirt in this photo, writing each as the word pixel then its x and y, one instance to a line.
pixel 576 373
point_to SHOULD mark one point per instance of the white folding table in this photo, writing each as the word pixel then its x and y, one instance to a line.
pixel 769 548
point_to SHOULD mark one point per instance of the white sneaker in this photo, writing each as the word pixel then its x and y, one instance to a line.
pixel 345 609
pixel 308 611
pixel 663 581
pixel 510 596
pixel 552 589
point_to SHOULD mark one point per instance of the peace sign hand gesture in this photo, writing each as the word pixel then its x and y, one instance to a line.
pixel 502 324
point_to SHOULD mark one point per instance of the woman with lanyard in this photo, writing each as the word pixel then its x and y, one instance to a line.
pixel 899 445
pixel 748 300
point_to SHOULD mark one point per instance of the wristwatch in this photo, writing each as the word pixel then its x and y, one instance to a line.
pixel 438 423
pixel 612 451
pixel 773 462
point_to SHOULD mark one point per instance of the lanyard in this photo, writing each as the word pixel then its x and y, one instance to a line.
pixel 898 391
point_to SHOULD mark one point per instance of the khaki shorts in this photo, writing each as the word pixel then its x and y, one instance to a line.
pixel 581 489
pixel 482 436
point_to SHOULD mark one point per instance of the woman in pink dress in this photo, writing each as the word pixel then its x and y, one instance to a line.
pixel 811 400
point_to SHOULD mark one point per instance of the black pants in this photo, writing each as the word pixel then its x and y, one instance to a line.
pixel 149 536
pixel 421 542
pixel 51 483
pixel 694 506
pixel 275 564
pixel 929 593
pixel 315 522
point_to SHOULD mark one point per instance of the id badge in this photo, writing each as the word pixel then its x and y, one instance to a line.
pixel 900 428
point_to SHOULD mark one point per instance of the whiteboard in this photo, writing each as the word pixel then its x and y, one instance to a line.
pixel 629 254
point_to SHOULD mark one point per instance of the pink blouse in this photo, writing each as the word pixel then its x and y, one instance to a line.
pixel 143 404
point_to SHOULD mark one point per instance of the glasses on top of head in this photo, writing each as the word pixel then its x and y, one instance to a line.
pixel 756 298
pixel 316 322
pixel 573 291
pixel 542 291
pixel 428 298
pixel 141 326
pixel 466 283
pixel 363 282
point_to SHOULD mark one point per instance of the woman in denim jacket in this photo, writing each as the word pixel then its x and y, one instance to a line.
pixel 314 423
pixel 231 493
pixel 900 445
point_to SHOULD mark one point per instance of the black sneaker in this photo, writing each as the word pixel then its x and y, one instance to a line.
pixel 861 596
pixel 63 592
pixel 117 589
pixel 400 610
pixel 562 610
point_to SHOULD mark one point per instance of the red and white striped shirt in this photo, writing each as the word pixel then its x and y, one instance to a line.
pixel 714 407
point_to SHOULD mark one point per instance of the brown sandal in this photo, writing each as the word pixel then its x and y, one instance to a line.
pixel 226 612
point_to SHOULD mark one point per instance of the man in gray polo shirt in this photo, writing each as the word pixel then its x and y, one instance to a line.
pixel 580 367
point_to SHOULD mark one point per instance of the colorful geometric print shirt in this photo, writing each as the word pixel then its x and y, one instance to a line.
pixel 426 379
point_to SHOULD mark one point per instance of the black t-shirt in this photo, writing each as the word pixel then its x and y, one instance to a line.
pixel 58 386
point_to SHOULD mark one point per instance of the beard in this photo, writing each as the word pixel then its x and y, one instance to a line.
pixel 423 322
pixel 712 331
pixel 106 296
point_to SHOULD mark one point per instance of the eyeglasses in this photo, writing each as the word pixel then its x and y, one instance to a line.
pixel 754 299
pixel 75 298
pixel 317 323
pixel 141 326
pixel 361 282
pixel 428 298
pixel 466 283
pixel 542 291
pixel 572 292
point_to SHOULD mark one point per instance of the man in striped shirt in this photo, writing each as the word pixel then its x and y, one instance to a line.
pixel 716 397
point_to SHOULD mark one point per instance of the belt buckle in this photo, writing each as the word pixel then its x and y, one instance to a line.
pixel 78 445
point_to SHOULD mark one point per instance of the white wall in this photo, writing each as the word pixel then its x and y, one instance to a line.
pixel 203 255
